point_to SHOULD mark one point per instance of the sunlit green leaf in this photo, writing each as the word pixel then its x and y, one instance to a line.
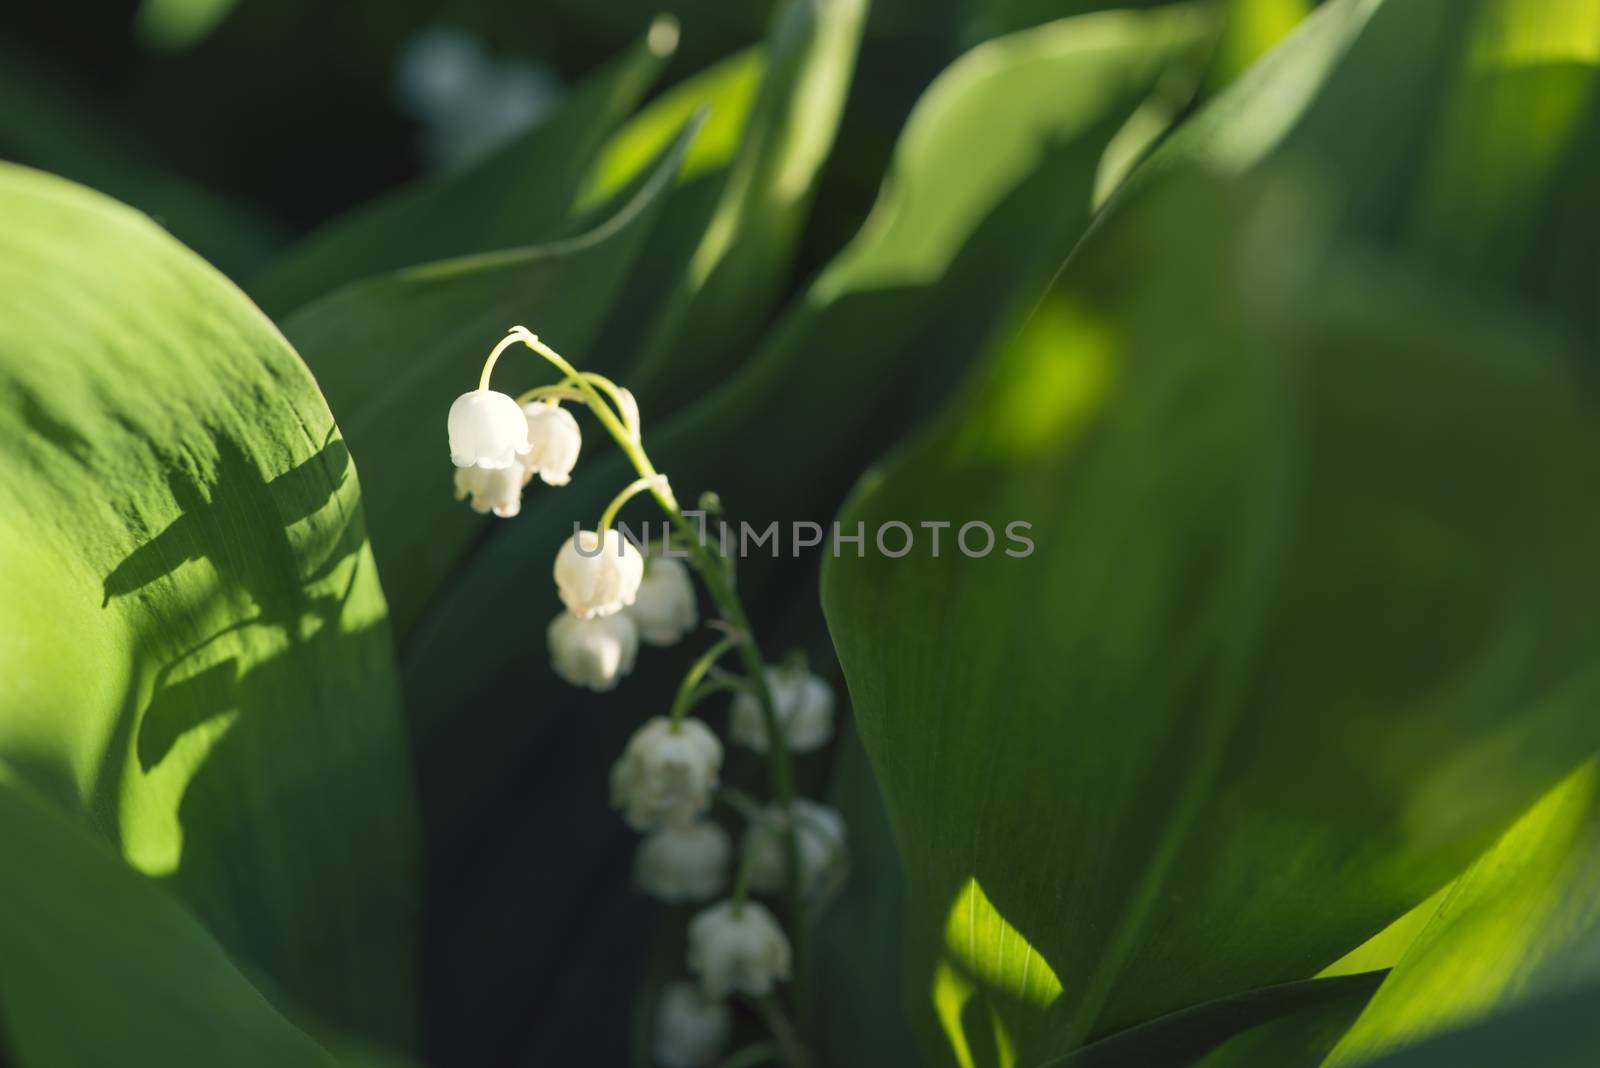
pixel 1519 925
pixel 199 667
pixel 1288 602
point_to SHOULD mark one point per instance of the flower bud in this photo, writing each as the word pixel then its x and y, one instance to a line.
pixel 665 607
pixel 667 774
pixel 487 430
pixel 600 579
pixel 683 862
pixel 804 704
pixel 594 653
pixel 737 948
pixel 691 1029
pixel 554 441
pixel 819 840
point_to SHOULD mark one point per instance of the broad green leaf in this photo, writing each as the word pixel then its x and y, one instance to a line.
pixel 1461 135
pixel 1186 1036
pixel 521 195
pixel 1253 28
pixel 886 324
pixel 1552 1032
pixel 199 669
pixel 99 965
pixel 1300 632
pixel 391 353
pixel 1519 925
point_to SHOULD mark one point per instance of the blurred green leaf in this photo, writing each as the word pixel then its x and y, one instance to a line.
pixel 726 92
pixel 520 195
pixel 98 965
pixel 888 324
pixel 733 271
pixel 1461 134
pixel 1301 631
pixel 391 352
pixel 1520 925
pixel 199 669
pixel 46 122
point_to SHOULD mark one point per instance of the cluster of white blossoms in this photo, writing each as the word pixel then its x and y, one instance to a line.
pixel 669 774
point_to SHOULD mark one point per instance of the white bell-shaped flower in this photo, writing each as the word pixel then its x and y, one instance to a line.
pixel 691 1029
pixel 598 576
pixel 487 430
pixel 497 490
pixel 594 653
pixel 804 704
pixel 683 862
pixel 554 441
pixel 667 774
pixel 819 841
pixel 665 607
pixel 737 948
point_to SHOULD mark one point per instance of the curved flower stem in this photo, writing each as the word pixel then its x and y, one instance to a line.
pixel 559 392
pixel 686 697
pixel 631 490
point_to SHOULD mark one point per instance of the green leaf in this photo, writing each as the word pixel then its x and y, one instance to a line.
pixel 520 195
pixel 1518 926
pixel 884 326
pixel 1553 1032
pixel 201 671
pixel 1300 633
pixel 98 965
pixel 393 351
pixel 1460 134
pixel 736 267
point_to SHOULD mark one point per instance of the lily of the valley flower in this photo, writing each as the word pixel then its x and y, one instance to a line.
pixel 497 490
pixel 683 862
pixel 737 947
pixel 487 430
pixel 691 1029
pixel 667 774
pixel 594 653
pixel 554 441
pixel 804 704
pixel 665 607
pixel 600 579
pixel 819 841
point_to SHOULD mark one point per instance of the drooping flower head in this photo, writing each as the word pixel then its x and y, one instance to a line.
pixel 597 575
pixel 667 773
pixel 594 653
pixel 691 1029
pixel 554 441
pixel 487 430
pixel 738 948
pixel 804 704
pixel 819 842
pixel 497 490
pixel 665 607
pixel 683 862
